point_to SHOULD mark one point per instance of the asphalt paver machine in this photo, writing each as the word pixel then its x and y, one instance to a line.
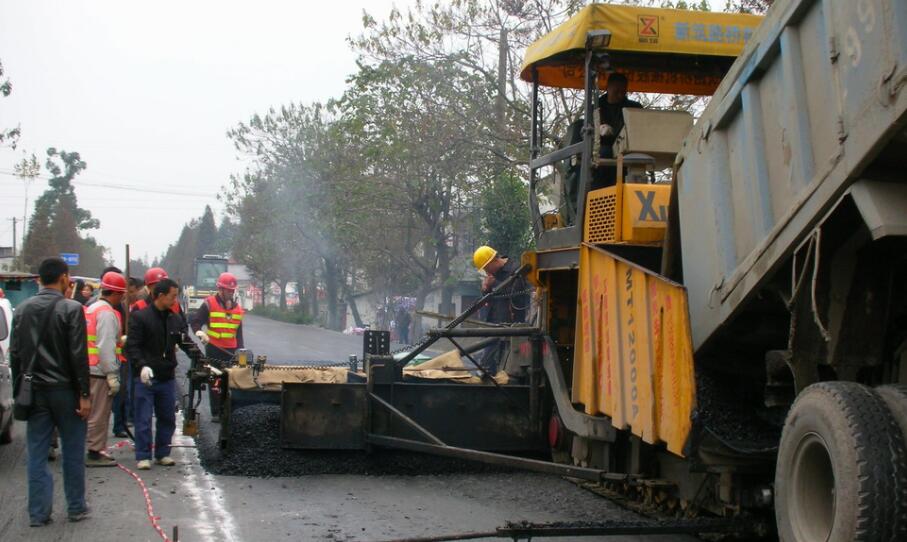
pixel 725 336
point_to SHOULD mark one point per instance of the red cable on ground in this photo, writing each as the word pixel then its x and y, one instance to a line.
pixel 148 506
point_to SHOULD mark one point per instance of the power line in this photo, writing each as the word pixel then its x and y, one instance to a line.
pixel 131 188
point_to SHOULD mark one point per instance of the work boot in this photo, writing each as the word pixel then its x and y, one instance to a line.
pixel 84 514
pixel 166 461
pixel 41 523
pixel 97 459
pixel 144 464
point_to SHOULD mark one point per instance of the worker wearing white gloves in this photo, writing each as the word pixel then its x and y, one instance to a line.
pixel 154 335
pixel 218 325
pixel 103 324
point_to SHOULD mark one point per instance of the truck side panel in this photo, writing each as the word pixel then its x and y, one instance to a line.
pixel 814 98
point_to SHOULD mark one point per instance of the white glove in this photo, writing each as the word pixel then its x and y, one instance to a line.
pixel 202 336
pixel 146 375
pixel 605 130
pixel 113 382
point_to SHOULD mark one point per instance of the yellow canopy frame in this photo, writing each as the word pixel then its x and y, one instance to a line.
pixel 659 50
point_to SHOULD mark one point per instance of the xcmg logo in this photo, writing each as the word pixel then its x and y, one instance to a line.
pixel 649 209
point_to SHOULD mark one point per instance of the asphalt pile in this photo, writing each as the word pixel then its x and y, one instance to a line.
pixel 733 420
pixel 255 451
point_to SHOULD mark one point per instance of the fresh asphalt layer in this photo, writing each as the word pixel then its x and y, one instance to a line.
pixel 198 506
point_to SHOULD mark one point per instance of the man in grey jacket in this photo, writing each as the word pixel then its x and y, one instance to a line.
pixel 105 354
pixel 58 357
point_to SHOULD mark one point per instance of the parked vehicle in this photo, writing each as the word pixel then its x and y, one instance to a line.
pixel 6 381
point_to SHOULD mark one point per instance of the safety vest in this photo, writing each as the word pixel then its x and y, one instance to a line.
pixel 223 324
pixel 91 323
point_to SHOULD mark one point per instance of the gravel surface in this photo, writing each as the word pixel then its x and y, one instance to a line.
pixel 255 451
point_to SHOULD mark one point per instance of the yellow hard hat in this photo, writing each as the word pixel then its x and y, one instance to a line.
pixel 483 256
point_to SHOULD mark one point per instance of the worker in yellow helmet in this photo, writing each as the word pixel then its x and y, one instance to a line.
pixel 508 306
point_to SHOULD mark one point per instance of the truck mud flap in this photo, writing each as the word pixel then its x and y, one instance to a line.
pixel 481 417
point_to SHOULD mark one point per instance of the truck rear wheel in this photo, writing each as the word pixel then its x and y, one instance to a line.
pixel 895 396
pixel 842 467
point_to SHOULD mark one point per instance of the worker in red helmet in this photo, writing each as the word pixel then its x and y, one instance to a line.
pixel 221 317
pixel 105 355
pixel 152 277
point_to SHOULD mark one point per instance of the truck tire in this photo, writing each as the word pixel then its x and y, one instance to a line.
pixel 895 396
pixel 841 472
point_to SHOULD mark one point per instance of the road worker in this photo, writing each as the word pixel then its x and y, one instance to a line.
pixel 152 277
pixel 221 316
pixel 509 306
pixel 154 334
pixel 122 402
pixel 611 107
pixel 105 355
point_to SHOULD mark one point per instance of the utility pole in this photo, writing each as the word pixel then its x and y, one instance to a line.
pixel 14 219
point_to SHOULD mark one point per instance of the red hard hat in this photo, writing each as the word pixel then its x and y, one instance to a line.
pixel 113 281
pixel 226 280
pixel 154 275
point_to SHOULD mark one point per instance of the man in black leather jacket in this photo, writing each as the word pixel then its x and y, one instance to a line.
pixel 60 389
pixel 154 334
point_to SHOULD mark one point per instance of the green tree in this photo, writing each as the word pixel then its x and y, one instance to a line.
pixel 57 220
pixel 207 233
pixel 8 136
pixel 749 6
pixel 226 234
pixel 505 214
pixel 179 260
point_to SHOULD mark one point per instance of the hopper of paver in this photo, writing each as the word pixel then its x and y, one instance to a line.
pixel 325 407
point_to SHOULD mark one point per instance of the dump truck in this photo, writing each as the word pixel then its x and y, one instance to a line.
pixel 722 328
pixel 742 326
pixel 206 270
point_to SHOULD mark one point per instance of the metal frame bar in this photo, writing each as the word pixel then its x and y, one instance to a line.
pixel 492 458
pixel 463 317
pixel 490 332
pixel 407 420
pixel 556 156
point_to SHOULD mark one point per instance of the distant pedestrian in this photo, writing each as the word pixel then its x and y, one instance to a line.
pixel 75 291
pixel 154 334
pixel 87 292
pixel 49 347
pixel 403 320
pixel 105 356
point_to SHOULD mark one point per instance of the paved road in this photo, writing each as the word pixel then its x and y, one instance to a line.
pixel 291 343
pixel 212 508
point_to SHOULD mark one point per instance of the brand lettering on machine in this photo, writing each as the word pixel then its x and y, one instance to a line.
pixel 631 342
pixel 647 211
pixel 712 33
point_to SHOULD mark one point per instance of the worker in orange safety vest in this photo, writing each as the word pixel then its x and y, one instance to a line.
pixel 105 354
pixel 222 317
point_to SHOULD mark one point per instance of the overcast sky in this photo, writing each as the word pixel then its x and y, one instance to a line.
pixel 145 91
